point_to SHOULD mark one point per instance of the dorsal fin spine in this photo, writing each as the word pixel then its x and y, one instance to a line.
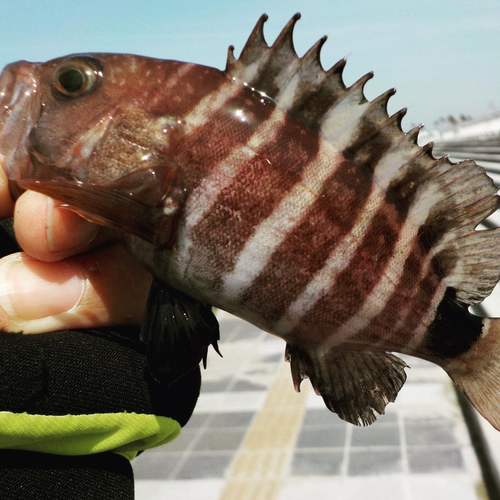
pixel 443 160
pixel 255 43
pixel 285 38
pixel 359 86
pixel 313 55
pixel 412 135
pixel 398 117
pixel 334 75
pixel 361 82
pixel 231 60
pixel 382 101
pixel 337 68
pixel 427 149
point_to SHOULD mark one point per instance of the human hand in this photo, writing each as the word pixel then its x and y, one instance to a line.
pixel 70 275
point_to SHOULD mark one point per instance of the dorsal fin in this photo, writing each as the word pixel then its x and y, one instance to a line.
pixel 301 85
pixel 447 200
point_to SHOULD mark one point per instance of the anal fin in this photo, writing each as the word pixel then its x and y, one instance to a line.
pixel 355 385
pixel 177 331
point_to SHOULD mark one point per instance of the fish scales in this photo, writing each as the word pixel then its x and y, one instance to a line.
pixel 346 192
pixel 230 137
pixel 274 191
pixel 416 301
pixel 401 241
pixel 241 210
pixel 353 285
pixel 378 326
pixel 182 82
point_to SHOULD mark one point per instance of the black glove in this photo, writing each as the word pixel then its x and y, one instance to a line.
pixel 75 405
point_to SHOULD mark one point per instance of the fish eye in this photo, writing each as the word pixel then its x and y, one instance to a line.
pixel 71 80
pixel 76 76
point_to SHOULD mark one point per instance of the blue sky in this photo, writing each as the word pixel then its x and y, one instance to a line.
pixel 441 55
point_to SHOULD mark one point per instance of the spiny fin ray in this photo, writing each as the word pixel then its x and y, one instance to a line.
pixel 177 332
pixel 357 386
pixel 457 197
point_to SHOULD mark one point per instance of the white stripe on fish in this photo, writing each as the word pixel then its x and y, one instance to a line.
pixel 271 232
pixel 389 280
pixel 222 176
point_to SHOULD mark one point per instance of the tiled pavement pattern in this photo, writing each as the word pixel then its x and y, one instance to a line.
pixel 253 438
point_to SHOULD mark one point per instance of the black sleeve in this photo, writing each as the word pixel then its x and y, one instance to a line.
pixel 79 372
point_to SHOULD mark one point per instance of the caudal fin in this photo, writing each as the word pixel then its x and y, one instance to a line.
pixel 477 372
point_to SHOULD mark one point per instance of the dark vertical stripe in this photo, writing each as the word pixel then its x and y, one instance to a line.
pixel 259 187
pixel 454 329
pixel 306 248
pixel 185 93
pixel 208 145
pixel 421 304
pixel 411 295
pixel 355 283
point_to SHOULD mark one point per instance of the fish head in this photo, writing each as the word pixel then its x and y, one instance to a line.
pixel 90 126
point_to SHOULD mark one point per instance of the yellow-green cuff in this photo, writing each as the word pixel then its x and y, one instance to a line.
pixel 124 433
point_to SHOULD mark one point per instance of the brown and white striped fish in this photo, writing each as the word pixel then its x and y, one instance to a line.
pixel 275 192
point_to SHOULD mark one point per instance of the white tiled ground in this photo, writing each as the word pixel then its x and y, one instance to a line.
pixel 419 450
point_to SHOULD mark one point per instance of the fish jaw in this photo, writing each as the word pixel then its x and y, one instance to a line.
pixel 20 108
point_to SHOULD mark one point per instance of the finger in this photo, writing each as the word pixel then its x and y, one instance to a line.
pixel 106 287
pixel 50 233
pixel 6 201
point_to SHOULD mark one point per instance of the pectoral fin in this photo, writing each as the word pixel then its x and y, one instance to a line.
pixel 177 331
pixel 108 206
pixel 355 385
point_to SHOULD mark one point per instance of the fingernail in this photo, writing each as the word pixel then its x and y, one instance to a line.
pixel 82 233
pixel 30 289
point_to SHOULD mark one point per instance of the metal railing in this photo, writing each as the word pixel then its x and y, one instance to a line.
pixel 485 150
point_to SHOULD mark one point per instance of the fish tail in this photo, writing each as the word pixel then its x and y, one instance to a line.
pixel 477 372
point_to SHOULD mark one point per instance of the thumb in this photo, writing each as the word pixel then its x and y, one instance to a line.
pixel 105 287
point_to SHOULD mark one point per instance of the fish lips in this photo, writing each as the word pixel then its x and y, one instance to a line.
pixel 20 109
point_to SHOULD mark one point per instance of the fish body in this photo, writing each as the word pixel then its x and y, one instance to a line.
pixel 275 192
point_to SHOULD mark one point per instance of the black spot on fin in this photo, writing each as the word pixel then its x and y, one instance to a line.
pixel 355 385
pixel 176 331
pixel 454 329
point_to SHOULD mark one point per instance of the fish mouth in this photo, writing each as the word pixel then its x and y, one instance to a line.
pixel 20 108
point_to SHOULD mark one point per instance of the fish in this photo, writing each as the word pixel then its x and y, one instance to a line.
pixel 276 192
